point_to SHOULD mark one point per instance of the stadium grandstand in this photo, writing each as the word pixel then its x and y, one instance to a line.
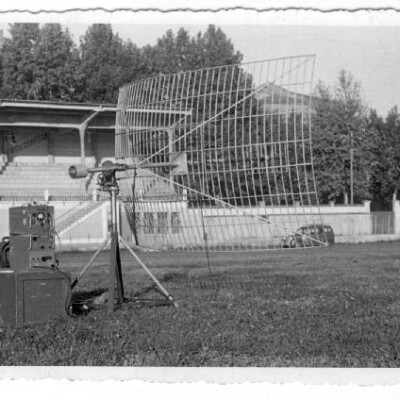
pixel 38 142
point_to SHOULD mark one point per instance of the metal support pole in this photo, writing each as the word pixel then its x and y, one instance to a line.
pixel 351 177
pixel 115 274
pixel 114 213
pixel 82 130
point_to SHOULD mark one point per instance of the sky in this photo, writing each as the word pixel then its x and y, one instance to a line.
pixel 370 53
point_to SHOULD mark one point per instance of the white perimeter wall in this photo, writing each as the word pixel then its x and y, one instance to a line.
pixel 229 226
pixel 348 222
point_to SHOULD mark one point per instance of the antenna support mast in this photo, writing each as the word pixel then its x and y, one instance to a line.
pixel 108 182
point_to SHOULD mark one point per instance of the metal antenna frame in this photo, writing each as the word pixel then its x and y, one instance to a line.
pixel 245 130
pixel 108 183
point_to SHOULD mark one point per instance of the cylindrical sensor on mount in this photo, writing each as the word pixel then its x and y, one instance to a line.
pixel 78 171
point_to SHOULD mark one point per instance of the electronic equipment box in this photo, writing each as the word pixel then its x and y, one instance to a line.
pixel 33 296
pixel 32 289
pixel 32 237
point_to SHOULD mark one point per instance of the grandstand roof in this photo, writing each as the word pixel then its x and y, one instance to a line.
pixel 62 115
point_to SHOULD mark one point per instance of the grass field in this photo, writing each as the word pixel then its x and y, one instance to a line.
pixel 329 307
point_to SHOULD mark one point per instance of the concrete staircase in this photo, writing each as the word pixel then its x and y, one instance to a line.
pixel 76 215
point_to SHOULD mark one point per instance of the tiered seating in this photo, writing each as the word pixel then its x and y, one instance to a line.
pixel 36 181
pixel 30 181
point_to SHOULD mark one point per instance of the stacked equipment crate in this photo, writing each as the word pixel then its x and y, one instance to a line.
pixel 32 289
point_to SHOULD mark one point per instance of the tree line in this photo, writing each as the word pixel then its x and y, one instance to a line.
pixel 42 62
pixel 356 152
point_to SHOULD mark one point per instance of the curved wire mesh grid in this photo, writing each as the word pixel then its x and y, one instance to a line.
pixel 223 156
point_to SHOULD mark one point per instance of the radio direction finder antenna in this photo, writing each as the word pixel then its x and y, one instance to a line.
pixel 243 136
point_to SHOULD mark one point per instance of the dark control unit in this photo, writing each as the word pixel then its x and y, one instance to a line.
pixel 33 296
pixel 32 289
pixel 32 237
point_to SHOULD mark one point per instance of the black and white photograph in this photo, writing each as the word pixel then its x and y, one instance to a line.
pixel 210 189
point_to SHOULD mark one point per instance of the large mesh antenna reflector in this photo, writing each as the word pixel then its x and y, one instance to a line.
pixel 223 154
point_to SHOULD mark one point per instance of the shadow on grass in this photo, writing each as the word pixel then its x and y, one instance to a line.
pixel 82 301
pixel 85 301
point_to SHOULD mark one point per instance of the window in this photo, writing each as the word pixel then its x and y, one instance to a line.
pixel 162 222
pixel 148 222
pixel 175 222
pixel 137 222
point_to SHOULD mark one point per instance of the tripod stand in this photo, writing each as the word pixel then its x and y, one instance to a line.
pixel 108 183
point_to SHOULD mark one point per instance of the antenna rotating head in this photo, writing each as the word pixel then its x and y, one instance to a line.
pixel 108 169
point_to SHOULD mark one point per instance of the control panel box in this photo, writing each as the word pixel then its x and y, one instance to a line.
pixel 32 219
pixel 33 296
pixel 32 237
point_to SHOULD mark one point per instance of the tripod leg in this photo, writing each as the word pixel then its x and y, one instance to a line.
pixel 155 280
pixel 89 263
pixel 115 274
pixel 118 273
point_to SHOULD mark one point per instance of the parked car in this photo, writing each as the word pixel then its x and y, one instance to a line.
pixel 310 235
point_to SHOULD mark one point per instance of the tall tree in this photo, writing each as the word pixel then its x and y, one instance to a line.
pixel 101 52
pixel 165 59
pixel 19 60
pixel 130 63
pixel 56 63
pixel 179 52
pixel 386 166
pixel 383 168
pixel 183 49
pixel 340 144
pixel 218 49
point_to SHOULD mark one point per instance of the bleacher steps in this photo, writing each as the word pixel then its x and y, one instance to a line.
pixel 76 216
